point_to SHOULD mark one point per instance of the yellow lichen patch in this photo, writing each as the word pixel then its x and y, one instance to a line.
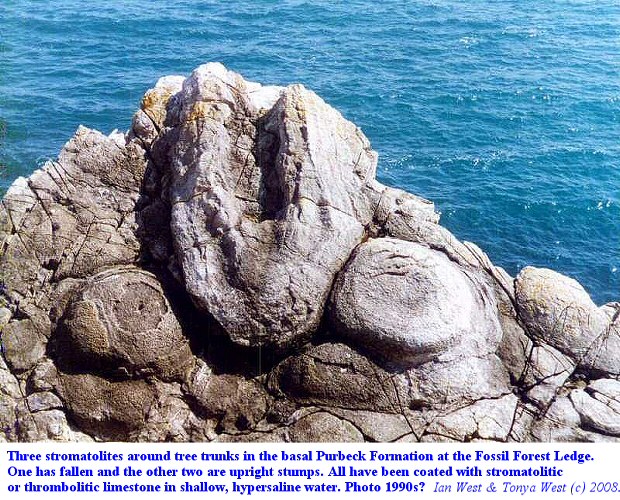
pixel 295 106
pixel 154 104
pixel 155 99
pixel 150 100
pixel 203 110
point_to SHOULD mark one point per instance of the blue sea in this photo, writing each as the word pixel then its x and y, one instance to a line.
pixel 505 113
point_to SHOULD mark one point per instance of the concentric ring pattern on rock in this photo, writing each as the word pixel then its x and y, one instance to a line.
pixel 230 270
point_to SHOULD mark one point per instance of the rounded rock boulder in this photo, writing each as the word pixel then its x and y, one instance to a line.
pixel 122 319
pixel 410 305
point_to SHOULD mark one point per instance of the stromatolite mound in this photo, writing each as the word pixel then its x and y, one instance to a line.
pixel 121 320
pixel 410 304
pixel 231 270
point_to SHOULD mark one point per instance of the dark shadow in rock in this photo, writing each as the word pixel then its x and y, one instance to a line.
pixel 207 338
pixel 267 145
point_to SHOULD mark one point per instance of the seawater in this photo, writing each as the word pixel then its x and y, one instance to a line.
pixel 505 113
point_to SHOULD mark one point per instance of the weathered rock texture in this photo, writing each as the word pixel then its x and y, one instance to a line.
pixel 230 270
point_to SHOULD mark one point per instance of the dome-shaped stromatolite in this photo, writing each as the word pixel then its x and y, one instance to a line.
pixel 121 320
pixel 410 304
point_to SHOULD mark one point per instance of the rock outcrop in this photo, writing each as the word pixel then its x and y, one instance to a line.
pixel 410 304
pixel 231 270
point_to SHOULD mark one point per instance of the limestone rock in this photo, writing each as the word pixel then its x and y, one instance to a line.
pixel 545 373
pixel 5 316
pixel 453 383
pixel 53 425
pixel 70 219
pixel 108 410
pixel 23 344
pixel 376 426
pixel 40 401
pixel 75 215
pixel 322 427
pixel 537 369
pixel 515 347
pixel 260 223
pixel 336 375
pixel 557 310
pixel 397 209
pixel 409 304
pixel 607 391
pixel 237 404
pixel 595 414
pixel 561 423
pixel 170 417
pixel 121 320
pixel 10 397
pixel 151 117
pixel 43 376
pixel 485 419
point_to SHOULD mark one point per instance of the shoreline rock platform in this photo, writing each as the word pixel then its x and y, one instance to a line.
pixel 230 270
